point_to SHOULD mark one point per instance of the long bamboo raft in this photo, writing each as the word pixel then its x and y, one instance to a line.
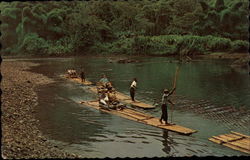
pixel 120 96
pixel 140 117
pixel 234 140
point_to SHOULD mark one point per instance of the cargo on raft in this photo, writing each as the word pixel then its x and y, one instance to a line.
pixel 120 96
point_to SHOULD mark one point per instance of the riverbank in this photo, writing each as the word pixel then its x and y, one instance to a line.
pixel 212 55
pixel 21 137
pixel 224 55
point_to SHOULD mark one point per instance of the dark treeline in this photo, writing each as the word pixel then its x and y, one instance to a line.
pixel 124 27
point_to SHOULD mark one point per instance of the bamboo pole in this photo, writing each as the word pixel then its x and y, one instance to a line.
pixel 174 86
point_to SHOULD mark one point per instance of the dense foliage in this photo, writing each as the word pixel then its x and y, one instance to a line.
pixel 129 27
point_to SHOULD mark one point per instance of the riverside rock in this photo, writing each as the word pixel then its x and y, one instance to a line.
pixel 21 137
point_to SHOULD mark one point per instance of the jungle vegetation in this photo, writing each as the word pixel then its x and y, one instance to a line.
pixel 136 27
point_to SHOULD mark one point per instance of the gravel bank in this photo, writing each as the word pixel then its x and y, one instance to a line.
pixel 20 135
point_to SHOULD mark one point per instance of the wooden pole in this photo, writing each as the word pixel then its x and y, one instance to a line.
pixel 176 75
pixel 174 86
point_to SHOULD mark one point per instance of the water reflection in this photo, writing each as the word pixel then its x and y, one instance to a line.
pixel 167 141
pixel 65 120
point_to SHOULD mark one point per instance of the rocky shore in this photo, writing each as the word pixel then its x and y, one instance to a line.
pixel 21 137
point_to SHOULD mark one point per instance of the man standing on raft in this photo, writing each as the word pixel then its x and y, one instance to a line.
pixel 82 75
pixel 165 100
pixel 132 89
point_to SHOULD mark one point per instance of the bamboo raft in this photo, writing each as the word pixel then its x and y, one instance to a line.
pixel 120 96
pixel 140 117
pixel 234 140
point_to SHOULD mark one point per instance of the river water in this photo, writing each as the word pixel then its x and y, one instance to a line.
pixel 211 98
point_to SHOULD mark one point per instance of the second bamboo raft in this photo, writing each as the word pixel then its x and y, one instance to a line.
pixel 234 140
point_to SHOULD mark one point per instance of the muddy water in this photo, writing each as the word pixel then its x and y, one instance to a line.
pixel 210 98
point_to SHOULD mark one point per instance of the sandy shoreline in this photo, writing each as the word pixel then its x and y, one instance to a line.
pixel 21 137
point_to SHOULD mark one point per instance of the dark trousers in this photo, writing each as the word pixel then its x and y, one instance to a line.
pixel 83 77
pixel 164 114
pixel 132 93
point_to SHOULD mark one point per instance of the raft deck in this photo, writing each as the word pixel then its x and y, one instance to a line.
pixel 234 140
pixel 120 96
pixel 86 82
pixel 141 118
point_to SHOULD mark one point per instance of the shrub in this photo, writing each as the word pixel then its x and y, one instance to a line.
pixel 217 43
pixel 168 44
pixel 240 46
pixel 59 50
pixel 121 46
pixel 99 47
pixel 33 44
pixel 60 47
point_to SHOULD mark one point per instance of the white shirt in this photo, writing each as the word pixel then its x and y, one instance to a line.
pixel 104 100
pixel 164 99
pixel 133 84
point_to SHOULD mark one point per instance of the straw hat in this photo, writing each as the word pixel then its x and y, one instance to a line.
pixel 166 91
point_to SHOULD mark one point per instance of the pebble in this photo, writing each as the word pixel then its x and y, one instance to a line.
pixel 21 137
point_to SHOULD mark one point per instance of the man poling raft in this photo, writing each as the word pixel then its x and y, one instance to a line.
pixel 166 100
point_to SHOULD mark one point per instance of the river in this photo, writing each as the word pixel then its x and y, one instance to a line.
pixel 211 98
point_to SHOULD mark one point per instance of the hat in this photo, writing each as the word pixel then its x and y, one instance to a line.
pixel 166 90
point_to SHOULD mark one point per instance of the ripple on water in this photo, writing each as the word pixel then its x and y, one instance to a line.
pixel 102 139
pixel 128 141
pixel 145 142
pixel 121 136
pixel 100 134
pixel 140 137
